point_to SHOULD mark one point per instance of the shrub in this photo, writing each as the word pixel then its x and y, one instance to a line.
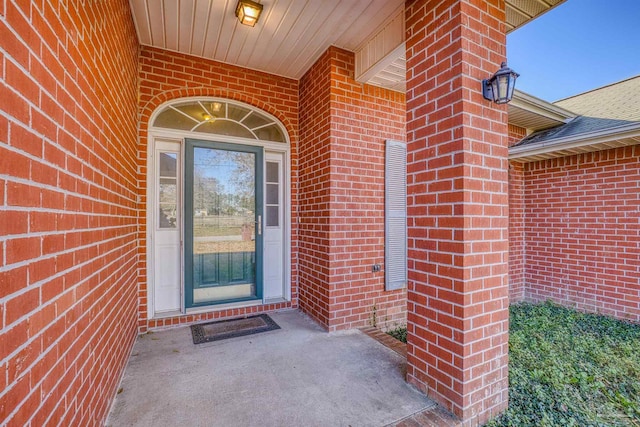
pixel 399 333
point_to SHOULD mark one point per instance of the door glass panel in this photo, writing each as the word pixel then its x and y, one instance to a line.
pixel 273 216
pixel 224 225
pixel 237 112
pixel 194 110
pixel 272 195
pixel 270 133
pixel 168 190
pixel 255 120
pixel 173 119
pixel 224 127
pixel 216 109
pixel 222 118
pixel 272 171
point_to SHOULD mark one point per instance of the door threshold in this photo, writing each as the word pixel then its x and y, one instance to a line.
pixel 219 307
pixel 166 314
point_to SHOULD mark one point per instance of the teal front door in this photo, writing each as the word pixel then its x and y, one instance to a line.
pixel 223 223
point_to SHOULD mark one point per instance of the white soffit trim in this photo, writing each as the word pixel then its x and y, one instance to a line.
pixel 381 49
pixel 380 59
pixel 519 12
pixel 541 107
pixel 593 141
pixel 535 114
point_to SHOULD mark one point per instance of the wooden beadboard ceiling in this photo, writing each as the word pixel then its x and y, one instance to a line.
pixel 290 35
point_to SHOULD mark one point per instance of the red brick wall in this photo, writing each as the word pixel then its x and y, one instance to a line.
pixel 457 335
pixel 167 75
pixel 363 117
pixel 517 240
pixel 343 128
pixel 314 190
pixel 517 243
pixel 583 231
pixel 516 133
pixel 68 209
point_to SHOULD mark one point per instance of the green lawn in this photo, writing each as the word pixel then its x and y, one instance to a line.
pixel 567 368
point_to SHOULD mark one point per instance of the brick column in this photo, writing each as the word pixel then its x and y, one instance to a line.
pixel 457 207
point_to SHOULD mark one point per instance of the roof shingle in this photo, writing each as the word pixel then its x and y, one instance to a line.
pixel 619 101
pixel 608 107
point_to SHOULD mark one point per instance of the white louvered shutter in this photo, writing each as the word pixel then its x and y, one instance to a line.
pixel 395 218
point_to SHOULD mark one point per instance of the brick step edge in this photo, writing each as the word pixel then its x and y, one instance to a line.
pixel 436 416
pixel 386 340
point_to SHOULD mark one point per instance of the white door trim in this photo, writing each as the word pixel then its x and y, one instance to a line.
pixel 170 135
pixel 151 227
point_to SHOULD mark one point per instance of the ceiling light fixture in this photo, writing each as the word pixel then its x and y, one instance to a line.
pixel 248 12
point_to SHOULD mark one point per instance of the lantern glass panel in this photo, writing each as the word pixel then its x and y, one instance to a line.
pixel 503 88
pixel 512 86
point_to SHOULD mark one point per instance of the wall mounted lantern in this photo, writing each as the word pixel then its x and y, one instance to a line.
pixel 248 12
pixel 499 88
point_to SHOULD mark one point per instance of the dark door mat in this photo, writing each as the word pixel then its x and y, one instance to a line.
pixel 223 329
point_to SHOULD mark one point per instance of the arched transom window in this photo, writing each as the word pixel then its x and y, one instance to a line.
pixel 220 117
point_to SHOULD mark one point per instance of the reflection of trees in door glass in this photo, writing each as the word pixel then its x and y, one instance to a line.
pixel 168 203
pixel 223 182
pixel 223 200
pixel 168 191
pixel 206 195
pixel 243 178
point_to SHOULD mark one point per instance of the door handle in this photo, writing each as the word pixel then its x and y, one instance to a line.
pixel 259 222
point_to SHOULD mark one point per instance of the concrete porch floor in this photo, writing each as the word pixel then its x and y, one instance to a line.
pixel 296 376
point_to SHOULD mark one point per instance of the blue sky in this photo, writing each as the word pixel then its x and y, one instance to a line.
pixel 578 46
